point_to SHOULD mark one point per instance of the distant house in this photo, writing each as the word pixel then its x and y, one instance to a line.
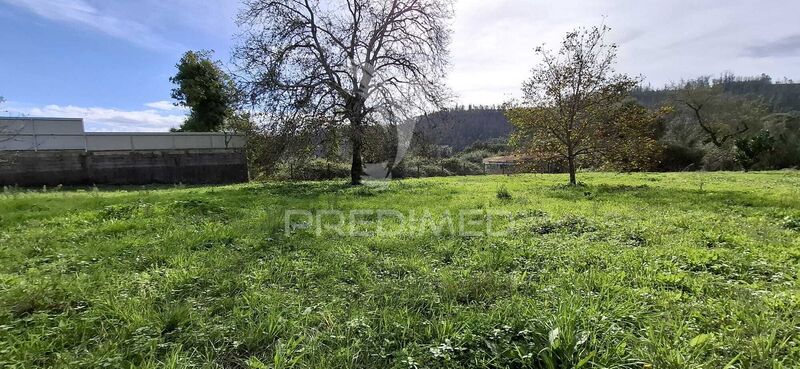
pixel 52 151
pixel 503 164
pixel 510 164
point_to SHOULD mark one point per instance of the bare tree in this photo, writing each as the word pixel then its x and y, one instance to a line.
pixel 359 62
pixel 721 116
pixel 569 97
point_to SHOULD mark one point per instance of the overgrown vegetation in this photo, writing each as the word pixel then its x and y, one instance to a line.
pixel 716 119
pixel 626 271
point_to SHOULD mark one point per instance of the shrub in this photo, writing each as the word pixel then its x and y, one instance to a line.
pixel 792 223
pixel 749 151
pixel 458 166
pixel 503 193
pixel 719 159
pixel 416 167
pixel 432 170
pixel 492 145
pixel 313 170
pixel 475 156
pixel 678 158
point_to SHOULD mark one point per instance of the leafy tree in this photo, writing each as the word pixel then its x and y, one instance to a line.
pixel 628 140
pixel 569 98
pixel 353 62
pixel 785 129
pixel 721 116
pixel 206 89
pixel 749 151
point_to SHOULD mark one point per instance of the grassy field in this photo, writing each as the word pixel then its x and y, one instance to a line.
pixel 627 271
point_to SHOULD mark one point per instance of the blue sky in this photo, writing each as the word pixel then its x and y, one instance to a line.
pixel 109 61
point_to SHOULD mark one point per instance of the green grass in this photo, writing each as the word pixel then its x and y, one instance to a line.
pixel 628 271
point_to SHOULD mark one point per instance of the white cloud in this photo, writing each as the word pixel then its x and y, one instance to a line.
pixel 165 105
pixel 493 41
pixel 98 119
pixel 82 13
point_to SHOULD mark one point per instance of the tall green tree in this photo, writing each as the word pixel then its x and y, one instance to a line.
pixel 569 98
pixel 206 89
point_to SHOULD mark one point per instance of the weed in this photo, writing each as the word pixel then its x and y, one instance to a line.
pixel 574 225
pixel 792 223
pixel 503 193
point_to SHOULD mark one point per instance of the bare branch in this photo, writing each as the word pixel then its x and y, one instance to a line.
pixel 357 62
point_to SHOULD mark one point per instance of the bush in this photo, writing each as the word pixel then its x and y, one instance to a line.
pixel 475 157
pixel 719 159
pixel 492 145
pixel 432 170
pixel 750 151
pixel 312 170
pixel 785 128
pixel 461 167
pixel 679 158
pixel 415 167
pixel 503 193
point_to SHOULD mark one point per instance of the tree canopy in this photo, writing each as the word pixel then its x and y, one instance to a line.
pixel 206 89
pixel 572 101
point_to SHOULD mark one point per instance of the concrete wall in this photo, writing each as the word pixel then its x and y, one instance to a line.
pixel 32 168
pixel 53 151
pixel 119 141
pixel 40 134
pixel 30 126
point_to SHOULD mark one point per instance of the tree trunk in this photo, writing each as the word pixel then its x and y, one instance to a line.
pixel 572 179
pixel 357 167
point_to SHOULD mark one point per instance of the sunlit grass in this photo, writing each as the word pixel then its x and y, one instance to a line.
pixel 695 270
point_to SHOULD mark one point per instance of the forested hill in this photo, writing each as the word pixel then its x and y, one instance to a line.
pixel 459 128
pixel 782 97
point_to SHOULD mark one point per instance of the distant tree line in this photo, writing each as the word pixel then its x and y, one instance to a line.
pixel 460 128
pixel 782 95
